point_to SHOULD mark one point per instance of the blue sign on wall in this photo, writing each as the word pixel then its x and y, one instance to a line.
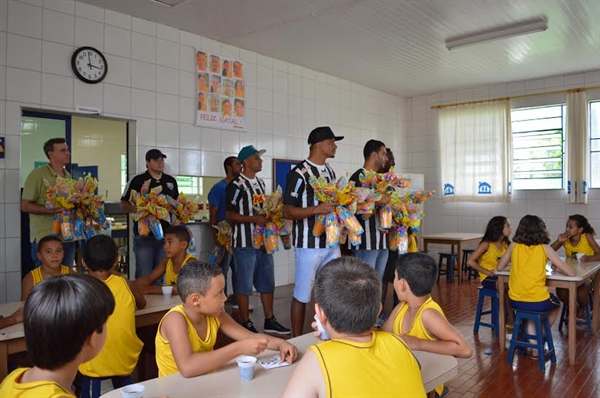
pixel 281 168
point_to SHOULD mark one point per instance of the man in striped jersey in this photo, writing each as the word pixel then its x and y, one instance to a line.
pixel 301 206
pixel 254 267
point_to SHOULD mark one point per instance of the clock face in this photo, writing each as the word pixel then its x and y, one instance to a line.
pixel 89 65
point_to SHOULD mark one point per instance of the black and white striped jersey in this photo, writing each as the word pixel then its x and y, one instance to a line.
pixel 299 193
pixel 372 239
pixel 239 196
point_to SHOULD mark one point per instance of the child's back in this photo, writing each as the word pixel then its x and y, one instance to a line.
pixel 527 280
pixel 13 387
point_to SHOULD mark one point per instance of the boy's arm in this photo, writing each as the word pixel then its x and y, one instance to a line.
pixel 144 284
pixel 558 262
pixel 388 326
pixel 473 258
pixel 595 247
pixel 307 379
pixel 12 319
pixel 449 341
pixel 140 300
pixel 506 258
pixel 190 364
pixel 26 286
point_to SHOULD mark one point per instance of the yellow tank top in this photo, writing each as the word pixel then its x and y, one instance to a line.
pixel 417 329
pixel 12 387
pixel 582 247
pixel 164 356
pixel 489 259
pixel 122 348
pixel 386 367
pixel 170 275
pixel 527 280
pixel 37 276
pixel 412 244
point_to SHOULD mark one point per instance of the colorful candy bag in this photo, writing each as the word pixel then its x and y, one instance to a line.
pixel 151 207
pixel 183 211
pixel 271 207
pixel 224 233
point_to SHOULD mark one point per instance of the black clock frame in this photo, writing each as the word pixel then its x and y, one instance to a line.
pixel 74 65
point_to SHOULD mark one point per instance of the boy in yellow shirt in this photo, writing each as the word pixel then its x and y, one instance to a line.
pixel 357 361
pixel 177 240
pixel 122 348
pixel 65 326
pixel 187 333
pixel 418 319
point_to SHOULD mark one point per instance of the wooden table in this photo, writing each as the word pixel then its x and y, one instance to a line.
pixel 452 239
pixel 584 271
pixel 435 370
pixel 12 338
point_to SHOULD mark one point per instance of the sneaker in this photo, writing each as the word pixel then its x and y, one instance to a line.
pixel 272 326
pixel 380 321
pixel 250 326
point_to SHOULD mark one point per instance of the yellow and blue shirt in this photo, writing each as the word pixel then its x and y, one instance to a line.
pixel 12 387
pixel 489 259
pixel 170 274
pixel 527 279
pixel 38 277
pixel 582 247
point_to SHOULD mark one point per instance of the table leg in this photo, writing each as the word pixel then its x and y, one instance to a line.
pixel 501 320
pixel 3 360
pixel 596 309
pixel 425 244
pixel 459 260
pixel 572 321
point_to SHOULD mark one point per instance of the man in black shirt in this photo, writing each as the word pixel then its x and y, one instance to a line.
pixel 149 250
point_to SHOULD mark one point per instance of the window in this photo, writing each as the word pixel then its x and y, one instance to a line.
pixel 594 144
pixel 123 172
pixel 538 147
pixel 190 185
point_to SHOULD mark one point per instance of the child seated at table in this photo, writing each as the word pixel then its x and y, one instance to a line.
pixel 50 253
pixel 528 255
pixel 485 258
pixel 64 323
pixel 177 240
pixel 418 319
pixel 187 334
pixel 122 348
pixel 578 238
pixel 357 361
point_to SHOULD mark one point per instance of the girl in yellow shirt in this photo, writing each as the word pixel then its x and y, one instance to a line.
pixel 528 255
pixel 578 238
pixel 490 250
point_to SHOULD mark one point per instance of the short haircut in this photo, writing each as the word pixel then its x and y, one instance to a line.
pixel 372 146
pixel 196 277
pixel 349 292
pixel 100 253
pixel 419 271
pixel 180 232
pixel 46 239
pixel 238 101
pixel 532 231
pixel 228 162
pixel 49 145
pixel 60 314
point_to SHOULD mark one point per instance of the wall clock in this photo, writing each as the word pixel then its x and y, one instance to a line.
pixel 89 65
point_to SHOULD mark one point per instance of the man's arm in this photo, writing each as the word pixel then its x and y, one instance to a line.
pixel 30 207
pixel 292 212
pixel 128 207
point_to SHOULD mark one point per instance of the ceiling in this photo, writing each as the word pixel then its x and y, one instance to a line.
pixel 394 46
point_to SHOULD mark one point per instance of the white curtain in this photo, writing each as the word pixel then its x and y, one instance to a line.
pixel 476 152
pixel 578 151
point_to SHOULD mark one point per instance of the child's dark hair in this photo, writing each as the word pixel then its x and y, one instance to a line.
pixel 180 232
pixel 46 239
pixel 582 222
pixel 60 314
pixel 419 271
pixel 196 277
pixel 372 146
pixel 349 292
pixel 100 253
pixel 531 231
pixel 495 229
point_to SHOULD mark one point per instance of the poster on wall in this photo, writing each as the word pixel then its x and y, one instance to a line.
pixel 221 99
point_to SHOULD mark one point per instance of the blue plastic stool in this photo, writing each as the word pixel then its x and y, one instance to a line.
pixel 520 337
pixel 493 324
pixel 451 259
pixel 564 315
pixel 95 382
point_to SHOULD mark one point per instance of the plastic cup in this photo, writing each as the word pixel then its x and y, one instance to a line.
pixel 246 366
pixel 167 291
pixel 133 391
pixel 579 255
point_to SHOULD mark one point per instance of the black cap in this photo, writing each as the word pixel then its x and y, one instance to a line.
pixel 321 134
pixel 154 154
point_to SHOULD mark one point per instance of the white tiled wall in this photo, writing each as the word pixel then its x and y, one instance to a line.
pixel 473 217
pixel 151 80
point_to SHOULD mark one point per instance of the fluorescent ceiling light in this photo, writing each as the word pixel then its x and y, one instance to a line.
pixel 504 32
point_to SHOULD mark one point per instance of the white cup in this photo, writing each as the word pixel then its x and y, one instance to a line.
pixel 167 291
pixel 246 366
pixel 133 391
pixel 579 255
